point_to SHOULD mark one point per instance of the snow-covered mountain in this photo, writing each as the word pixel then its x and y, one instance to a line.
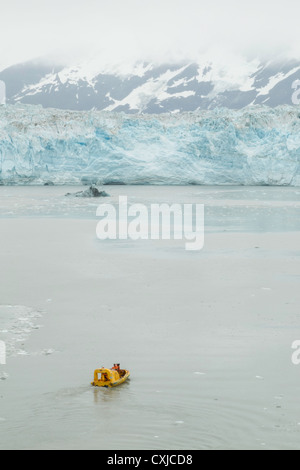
pixel 150 88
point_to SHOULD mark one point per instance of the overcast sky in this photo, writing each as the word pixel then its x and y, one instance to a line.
pixel 143 29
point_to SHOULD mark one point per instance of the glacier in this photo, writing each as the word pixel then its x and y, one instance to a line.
pixel 257 145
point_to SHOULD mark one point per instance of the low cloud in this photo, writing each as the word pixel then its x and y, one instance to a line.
pixel 149 30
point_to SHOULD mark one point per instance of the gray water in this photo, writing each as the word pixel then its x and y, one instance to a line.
pixel 207 336
pixel 231 208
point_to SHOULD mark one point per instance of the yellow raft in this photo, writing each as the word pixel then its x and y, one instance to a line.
pixel 110 377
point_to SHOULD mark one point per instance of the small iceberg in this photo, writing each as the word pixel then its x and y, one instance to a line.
pixel 93 191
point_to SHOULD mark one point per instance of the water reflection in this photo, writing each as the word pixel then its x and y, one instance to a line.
pixel 107 395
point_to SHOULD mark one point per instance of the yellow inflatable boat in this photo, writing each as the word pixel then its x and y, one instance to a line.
pixel 110 377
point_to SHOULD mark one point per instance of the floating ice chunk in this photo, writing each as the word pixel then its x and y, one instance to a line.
pixel 48 352
pixel 89 193
pixel 18 322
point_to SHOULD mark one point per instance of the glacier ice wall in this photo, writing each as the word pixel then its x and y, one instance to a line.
pixel 253 146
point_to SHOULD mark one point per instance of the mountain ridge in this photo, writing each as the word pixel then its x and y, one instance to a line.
pixel 151 88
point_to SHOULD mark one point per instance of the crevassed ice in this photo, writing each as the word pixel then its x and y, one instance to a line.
pixel 253 146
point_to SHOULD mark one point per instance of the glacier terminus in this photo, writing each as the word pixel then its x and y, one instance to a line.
pixel 256 145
